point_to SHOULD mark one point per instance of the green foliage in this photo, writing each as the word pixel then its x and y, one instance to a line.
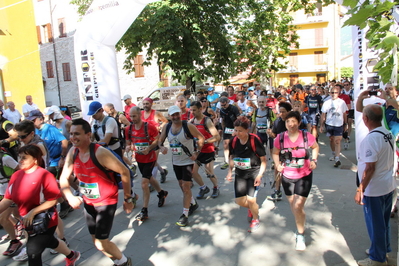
pixel 213 39
pixel 346 72
pixel 376 18
pixel 83 5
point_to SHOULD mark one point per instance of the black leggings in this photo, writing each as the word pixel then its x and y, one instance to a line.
pixel 299 186
pixel 38 243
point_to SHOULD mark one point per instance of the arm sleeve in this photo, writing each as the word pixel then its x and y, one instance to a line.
pixel 276 141
pixel 370 154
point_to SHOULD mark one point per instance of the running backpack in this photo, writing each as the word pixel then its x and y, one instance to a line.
pixel 252 140
pixel 113 140
pixel 110 174
pixel 206 118
pixel 305 140
pixel 185 128
pixel 5 171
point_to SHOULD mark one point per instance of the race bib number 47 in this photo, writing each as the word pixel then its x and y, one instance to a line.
pixel 176 149
pixel 90 190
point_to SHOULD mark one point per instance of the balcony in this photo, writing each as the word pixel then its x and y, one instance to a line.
pixel 306 63
pixel 311 43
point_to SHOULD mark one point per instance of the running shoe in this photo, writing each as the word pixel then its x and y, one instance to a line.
pixel 300 242
pixel 143 215
pixel 337 163
pixel 163 175
pixel 193 207
pixel 255 223
pixel 202 192
pixel 22 256
pixel 224 166
pixel 183 221
pixel 276 196
pixel 162 198
pixel 215 192
pixel 127 263
pixel 73 260
pixel 331 158
pixel 370 262
pixel 12 249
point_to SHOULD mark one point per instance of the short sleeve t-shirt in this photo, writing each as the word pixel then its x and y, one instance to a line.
pixel 30 190
pixel 334 110
pixel 111 126
pixel 375 148
pixel 211 98
pixel 313 103
pixel 279 126
pixel 246 161
pixel 299 166
pixel 52 137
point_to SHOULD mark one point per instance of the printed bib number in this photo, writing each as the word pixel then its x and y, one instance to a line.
pixel 90 190
pixel 176 149
pixel 228 130
pixel 296 163
pixel 261 128
pixel 141 146
pixel 312 105
pixel 242 163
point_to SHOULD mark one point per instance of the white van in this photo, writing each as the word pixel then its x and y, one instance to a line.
pixel 163 98
pixel 166 96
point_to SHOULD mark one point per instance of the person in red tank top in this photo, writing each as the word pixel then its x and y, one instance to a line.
pixel 128 101
pixel 207 156
pixel 185 113
pixel 158 120
pixel 144 136
pixel 100 193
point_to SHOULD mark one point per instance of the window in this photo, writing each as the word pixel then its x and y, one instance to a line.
pixel 319 37
pixel 138 66
pixel 62 27
pixel 318 58
pixel 49 67
pixel 44 33
pixel 293 57
pixel 321 78
pixel 293 79
pixel 66 70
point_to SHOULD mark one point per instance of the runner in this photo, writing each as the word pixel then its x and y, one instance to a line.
pixel 144 136
pixel 207 155
pixel 183 157
pixel 100 194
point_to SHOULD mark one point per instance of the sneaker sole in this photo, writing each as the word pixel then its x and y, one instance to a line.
pixel 181 225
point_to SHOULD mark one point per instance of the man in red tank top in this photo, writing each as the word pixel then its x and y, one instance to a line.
pixel 185 113
pixel 100 192
pixel 207 154
pixel 144 136
pixel 158 120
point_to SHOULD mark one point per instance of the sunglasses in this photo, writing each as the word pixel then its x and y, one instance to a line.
pixel 203 101
pixel 24 136
pixel 334 92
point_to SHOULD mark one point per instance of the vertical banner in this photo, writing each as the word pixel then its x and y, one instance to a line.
pixel 364 77
pixel 101 28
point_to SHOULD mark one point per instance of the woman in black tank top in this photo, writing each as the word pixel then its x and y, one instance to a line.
pixel 206 111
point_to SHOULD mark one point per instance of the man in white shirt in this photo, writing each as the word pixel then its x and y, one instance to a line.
pixel 376 158
pixel 335 119
pixel 29 106
pixel 252 96
pixel 12 114
pixel 105 129
pixel 242 102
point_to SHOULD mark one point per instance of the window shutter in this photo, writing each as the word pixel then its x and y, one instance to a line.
pixel 49 32
pixel 39 35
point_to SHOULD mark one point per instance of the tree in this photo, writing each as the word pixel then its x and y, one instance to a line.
pixel 375 17
pixel 202 39
pixel 346 72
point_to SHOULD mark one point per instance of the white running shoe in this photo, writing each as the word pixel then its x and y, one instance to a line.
pixel 22 256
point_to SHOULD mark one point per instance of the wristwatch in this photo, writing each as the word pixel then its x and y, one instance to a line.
pixel 314 160
pixel 129 200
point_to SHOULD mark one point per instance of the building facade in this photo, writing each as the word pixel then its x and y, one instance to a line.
pixel 318 57
pixel 20 71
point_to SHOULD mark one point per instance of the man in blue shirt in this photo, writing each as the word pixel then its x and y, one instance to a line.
pixel 212 98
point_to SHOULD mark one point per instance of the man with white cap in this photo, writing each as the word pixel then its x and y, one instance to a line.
pixel 105 128
pixel 58 120
pixel 180 136
pixel 128 101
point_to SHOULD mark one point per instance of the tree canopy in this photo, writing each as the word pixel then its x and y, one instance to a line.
pixel 213 39
pixel 375 17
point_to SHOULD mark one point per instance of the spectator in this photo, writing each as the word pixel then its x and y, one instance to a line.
pixel 12 114
pixel 29 106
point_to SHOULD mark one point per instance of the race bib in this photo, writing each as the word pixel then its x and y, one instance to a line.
pixel 242 163
pixel 228 130
pixel 312 105
pixel 296 164
pixel 261 128
pixel 141 146
pixel 176 149
pixel 90 190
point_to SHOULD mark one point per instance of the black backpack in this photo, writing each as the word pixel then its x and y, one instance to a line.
pixel 113 140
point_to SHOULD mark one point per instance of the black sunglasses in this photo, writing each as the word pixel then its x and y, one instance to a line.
pixel 24 136
pixel 203 101
pixel 334 92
